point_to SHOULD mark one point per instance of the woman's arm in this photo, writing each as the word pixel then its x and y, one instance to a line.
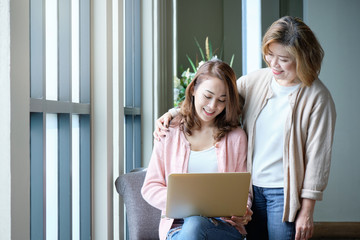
pixel 154 189
pixel 318 148
pixel 317 163
pixel 162 123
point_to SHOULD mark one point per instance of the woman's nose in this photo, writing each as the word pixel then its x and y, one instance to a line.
pixel 212 103
pixel 274 62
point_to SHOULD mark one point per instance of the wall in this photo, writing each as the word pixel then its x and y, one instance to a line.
pixel 5 163
pixel 197 19
pixel 209 18
pixel 338 31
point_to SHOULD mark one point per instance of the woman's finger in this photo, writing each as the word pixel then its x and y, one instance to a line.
pixel 166 118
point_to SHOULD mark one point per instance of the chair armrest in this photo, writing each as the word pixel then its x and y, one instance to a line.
pixel 142 218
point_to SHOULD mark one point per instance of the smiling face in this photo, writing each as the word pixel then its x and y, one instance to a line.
pixel 209 99
pixel 282 64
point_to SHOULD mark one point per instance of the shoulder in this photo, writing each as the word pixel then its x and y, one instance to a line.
pixel 236 135
pixel 235 143
pixel 319 87
pixel 174 137
pixel 254 84
pixel 317 100
pixel 170 136
pixel 256 77
pixel 318 92
pixel 173 132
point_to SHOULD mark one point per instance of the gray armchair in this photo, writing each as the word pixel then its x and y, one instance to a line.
pixel 142 218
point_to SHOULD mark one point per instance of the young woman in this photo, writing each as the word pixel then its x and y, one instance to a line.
pixel 201 139
pixel 289 117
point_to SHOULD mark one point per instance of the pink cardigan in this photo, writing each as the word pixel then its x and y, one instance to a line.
pixel 171 155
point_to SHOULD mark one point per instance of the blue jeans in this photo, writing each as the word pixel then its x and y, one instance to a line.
pixel 266 223
pixel 197 227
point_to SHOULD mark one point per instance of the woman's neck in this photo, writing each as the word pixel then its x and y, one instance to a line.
pixel 287 83
pixel 201 139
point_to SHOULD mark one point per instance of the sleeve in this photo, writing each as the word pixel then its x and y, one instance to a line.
pixel 318 149
pixel 242 151
pixel 241 156
pixel 174 112
pixel 154 189
pixel 241 87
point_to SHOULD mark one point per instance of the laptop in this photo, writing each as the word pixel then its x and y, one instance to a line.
pixel 207 194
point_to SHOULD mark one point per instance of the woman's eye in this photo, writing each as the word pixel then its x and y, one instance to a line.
pixel 283 60
pixel 222 100
pixel 207 97
pixel 269 57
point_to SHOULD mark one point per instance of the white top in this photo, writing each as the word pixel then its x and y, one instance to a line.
pixel 268 168
pixel 203 161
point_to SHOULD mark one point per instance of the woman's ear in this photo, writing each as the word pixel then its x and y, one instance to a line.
pixel 192 90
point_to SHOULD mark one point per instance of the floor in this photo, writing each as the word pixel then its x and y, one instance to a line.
pixel 335 238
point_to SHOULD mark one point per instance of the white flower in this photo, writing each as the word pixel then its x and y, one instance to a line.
pixel 176 82
pixel 176 93
pixel 187 74
pixel 200 63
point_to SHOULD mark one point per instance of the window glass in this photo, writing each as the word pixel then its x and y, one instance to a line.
pixel 60 174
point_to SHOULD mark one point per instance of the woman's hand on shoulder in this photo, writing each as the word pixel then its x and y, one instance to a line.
pixel 240 222
pixel 162 126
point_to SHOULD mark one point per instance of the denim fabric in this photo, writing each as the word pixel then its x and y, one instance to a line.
pixel 197 227
pixel 266 223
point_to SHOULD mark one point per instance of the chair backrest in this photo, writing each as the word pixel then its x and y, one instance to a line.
pixel 142 218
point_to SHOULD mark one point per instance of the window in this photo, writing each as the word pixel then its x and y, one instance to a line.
pixel 60 167
pixel 251 35
pixel 132 108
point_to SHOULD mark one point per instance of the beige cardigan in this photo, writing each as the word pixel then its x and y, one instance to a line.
pixel 309 131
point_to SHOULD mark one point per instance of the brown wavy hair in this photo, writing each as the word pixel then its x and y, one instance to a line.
pixel 229 118
pixel 300 42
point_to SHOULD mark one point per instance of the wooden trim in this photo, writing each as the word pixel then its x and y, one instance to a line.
pixel 336 230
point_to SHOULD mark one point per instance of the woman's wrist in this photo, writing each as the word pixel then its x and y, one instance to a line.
pixel 308 205
pixel 173 112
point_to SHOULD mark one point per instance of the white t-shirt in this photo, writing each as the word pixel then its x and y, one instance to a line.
pixel 269 138
pixel 203 161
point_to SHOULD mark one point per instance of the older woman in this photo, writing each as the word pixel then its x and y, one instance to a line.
pixel 289 116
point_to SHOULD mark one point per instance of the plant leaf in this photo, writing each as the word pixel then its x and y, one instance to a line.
pixel 200 49
pixel 191 63
pixel 232 60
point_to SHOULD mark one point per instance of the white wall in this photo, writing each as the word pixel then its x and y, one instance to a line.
pixel 5 162
pixel 336 24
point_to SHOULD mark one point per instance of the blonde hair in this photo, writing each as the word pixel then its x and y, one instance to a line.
pixel 300 42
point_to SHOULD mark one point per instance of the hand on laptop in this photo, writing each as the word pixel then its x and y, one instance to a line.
pixel 240 222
